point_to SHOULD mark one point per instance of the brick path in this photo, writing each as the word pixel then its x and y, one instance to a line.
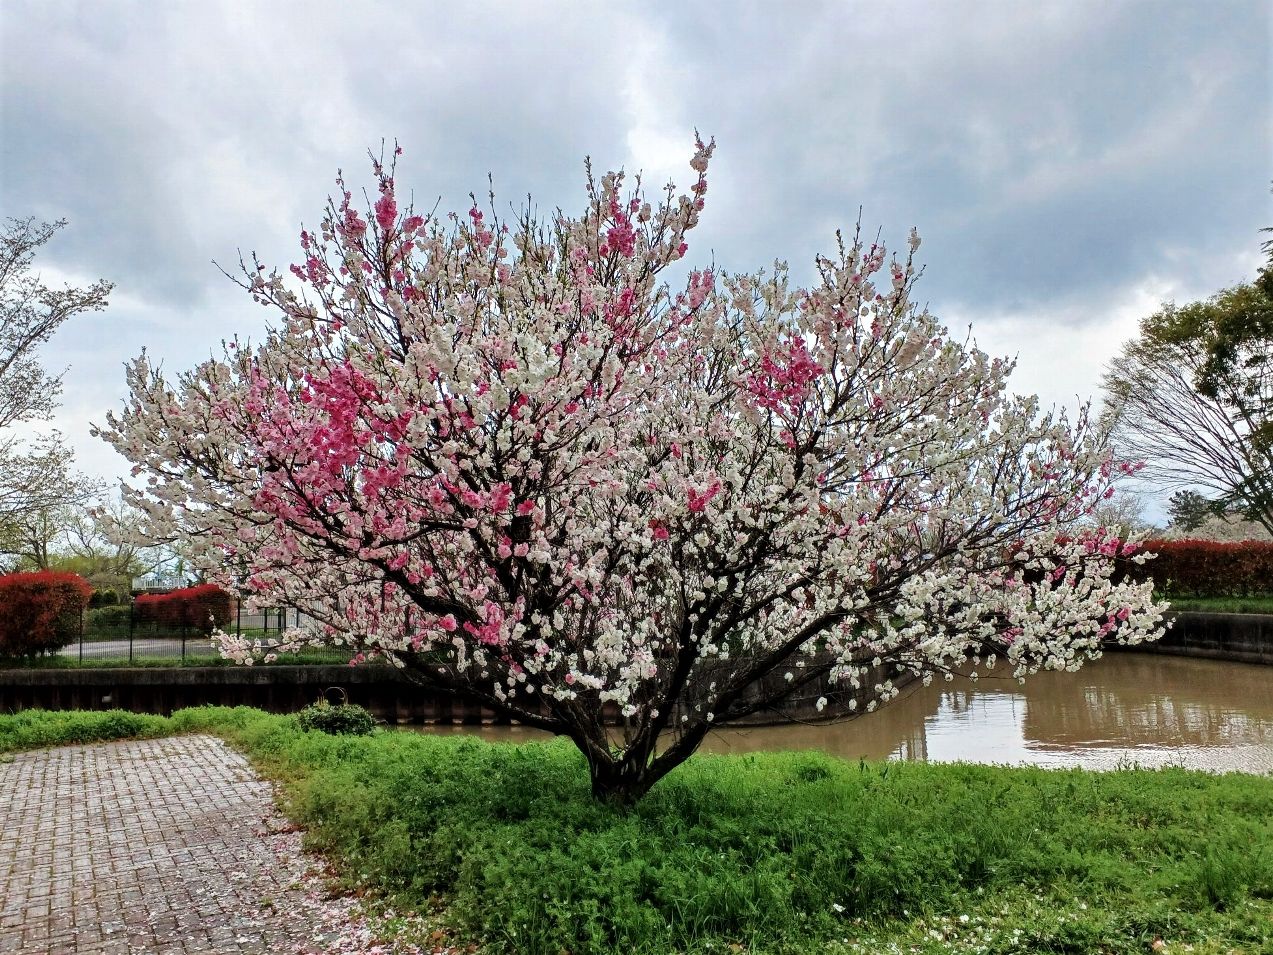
pixel 156 846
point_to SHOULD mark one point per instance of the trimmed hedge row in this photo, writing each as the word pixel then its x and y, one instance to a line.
pixel 108 618
pixel 199 608
pixel 40 612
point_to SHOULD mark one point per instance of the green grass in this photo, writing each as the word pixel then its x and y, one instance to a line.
pixel 332 657
pixel 34 729
pixel 98 633
pixel 1259 604
pixel 774 853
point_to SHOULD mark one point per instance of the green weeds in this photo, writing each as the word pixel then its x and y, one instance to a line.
pixel 772 853
pixel 34 729
pixel 1259 604
pixel 200 658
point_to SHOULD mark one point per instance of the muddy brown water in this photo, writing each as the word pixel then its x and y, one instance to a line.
pixel 1127 708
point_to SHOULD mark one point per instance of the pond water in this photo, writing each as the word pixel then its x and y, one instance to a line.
pixel 1125 708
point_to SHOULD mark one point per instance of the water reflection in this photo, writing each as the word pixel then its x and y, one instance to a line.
pixel 1150 710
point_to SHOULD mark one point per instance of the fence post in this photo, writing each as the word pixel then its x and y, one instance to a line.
pixel 82 616
pixel 238 616
pixel 132 617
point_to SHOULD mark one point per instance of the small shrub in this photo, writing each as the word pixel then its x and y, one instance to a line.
pixel 344 718
pixel 40 612
pixel 107 618
pixel 103 598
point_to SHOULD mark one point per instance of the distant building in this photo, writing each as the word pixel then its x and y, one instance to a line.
pixel 160 582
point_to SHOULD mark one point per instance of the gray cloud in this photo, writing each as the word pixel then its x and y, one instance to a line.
pixel 1043 150
pixel 1065 162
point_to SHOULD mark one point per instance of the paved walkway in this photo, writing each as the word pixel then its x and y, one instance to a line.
pixel 166 847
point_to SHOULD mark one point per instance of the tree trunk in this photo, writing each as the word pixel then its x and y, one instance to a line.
pixel 620 783
pixel 623 780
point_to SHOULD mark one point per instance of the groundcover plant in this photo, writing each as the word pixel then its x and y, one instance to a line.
pixel 511 459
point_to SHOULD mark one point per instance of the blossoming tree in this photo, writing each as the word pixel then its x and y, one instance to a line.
pixel 513 461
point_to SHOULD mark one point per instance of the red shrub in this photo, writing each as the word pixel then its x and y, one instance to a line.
pixel 192 608
pixel 205 606
pixel 147 608
pixel 1199 568
pixel 40 612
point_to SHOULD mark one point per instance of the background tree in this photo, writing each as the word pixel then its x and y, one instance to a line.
pixel 30 538
pixel 1125 510
pixel 1189 509
pixel 1192 396
pixel 515 463
pixel 35 473
pixel 99 546
pixel 90 539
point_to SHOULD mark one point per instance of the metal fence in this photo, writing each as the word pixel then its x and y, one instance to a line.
pixel 114 634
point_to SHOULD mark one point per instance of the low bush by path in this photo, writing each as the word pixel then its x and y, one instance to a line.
pixel 770 853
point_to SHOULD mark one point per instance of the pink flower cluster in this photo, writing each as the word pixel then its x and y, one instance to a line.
pixel 783 379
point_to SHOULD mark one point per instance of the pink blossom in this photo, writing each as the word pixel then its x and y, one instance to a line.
pixel 386 211
pixel 500 497
pixel 698 500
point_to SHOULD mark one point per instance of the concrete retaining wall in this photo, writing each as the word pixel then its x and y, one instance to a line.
pixel 285 689
pixel 1241 637
pixel 1244 638
pixel 278 689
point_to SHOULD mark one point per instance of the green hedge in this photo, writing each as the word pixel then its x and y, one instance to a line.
pixel 107 618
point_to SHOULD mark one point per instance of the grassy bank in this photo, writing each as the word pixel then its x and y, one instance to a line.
pixel 1259 604
pixel 316 657
pixel 762 853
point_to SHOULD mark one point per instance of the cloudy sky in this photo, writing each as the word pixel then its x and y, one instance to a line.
pixel 1069 165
